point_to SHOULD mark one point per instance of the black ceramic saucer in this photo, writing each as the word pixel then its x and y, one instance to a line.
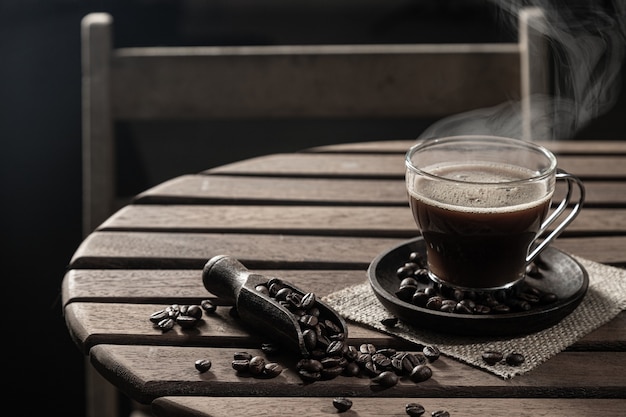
pixel 561 275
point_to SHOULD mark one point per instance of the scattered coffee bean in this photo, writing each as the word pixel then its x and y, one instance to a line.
pixel 272 369
pixel 208 306
pixel 342 404
pixel 386 379
pixel 491 357
pixel 440 413
pixel 431 352
pixel 203 365
pixel 389 321
pixel 515 359
pixel 421 373
pixel 186 316
pixel 414 409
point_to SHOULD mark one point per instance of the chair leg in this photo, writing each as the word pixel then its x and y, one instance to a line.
pixel 102 398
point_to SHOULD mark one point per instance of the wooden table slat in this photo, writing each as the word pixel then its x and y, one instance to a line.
pixel 143 250
pixel 100 323
pixel 203 406
pixel 392 166
pixel 317 220
pixel 148 372
pixel 585 147
pixel 237 189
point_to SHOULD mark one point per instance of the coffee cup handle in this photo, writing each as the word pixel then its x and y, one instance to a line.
pixel 572 181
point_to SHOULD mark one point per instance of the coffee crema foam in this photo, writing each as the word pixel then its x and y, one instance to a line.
pixel 479 188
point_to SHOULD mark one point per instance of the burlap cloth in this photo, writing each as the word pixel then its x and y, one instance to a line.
pixel 605 298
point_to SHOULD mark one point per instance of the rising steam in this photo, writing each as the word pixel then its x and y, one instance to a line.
pixel 587 43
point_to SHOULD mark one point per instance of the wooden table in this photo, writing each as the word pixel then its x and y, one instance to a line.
pixel 316 218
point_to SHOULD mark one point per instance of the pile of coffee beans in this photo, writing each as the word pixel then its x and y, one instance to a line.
pixel 417 288
pixel 186 316
pixel 322 333
pixel 329 354
pixel 257 366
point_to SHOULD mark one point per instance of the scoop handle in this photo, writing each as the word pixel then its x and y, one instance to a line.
pixel 224 276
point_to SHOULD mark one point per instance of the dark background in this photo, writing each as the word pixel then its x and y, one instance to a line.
pixel 40 126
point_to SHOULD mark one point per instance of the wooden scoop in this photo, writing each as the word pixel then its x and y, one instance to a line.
pixel 227 278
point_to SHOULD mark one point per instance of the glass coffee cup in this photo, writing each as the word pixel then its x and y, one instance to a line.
pixel 483 207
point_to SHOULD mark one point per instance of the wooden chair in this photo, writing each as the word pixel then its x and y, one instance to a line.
pixel 366 82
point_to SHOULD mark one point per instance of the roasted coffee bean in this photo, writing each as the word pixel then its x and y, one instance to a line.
pixel 256 365
pixel 208 306
pixel 370 369
pixel 414 409
pixel 270 348
pixel 242 356
pixel 309 376
pixel 351 353
pixel 448 308
pixel 431 352
pixel 294 299
pixel 336 348
pixel 332 327
pixel 381 361
pixel 309 365
pixel 421 274
pixel 308 301
pixel 491 357
pixel 314 311
pixel 409 281
pixel 240 365
pixel 310 339
pixel 308 320
pixel 530 297
pixel 501 308
pixel 173 310
pixel 166 324
pixel 404 271
pixel 367 348
pixel 421 373
pixel 388 352
pixel 272 369
pixel 351 369
pixel 440 413
pixel 330 373
pixel 405 292
pixel 418 258
pixel 262 289
pixel 420 298
pixel 203 365
pixel 462 308
pixel 482 309
pixel 194 311
pixel 548 298
pixel 515 359
pixel 157 316
pixel 532 270
pixel 283 293
pixel 434 303
pixel 386 379
pixel 186 322
pixel 342 404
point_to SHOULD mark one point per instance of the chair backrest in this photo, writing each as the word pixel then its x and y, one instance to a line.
pixel 282 82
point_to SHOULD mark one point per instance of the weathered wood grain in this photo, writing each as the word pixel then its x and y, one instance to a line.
pixel 203 406
pixel 389 166
pixel 148 372
pixel 141 250
pixel 237 189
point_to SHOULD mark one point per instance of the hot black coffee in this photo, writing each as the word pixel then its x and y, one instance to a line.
pixel 478 233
